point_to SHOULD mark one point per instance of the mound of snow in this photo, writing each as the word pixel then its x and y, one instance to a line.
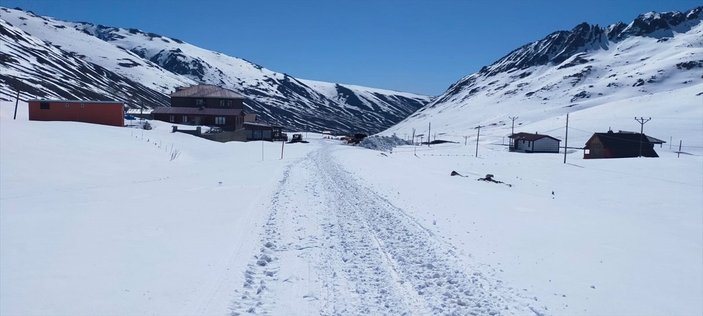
pixel 383 143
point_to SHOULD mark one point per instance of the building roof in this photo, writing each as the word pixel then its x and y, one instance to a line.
pixel 196 111
pixel 206 91
pixel 77 101
pixel 262 125
pixel 610 138
pixel 530 137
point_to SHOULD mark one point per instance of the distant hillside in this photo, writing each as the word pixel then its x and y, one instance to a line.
pixel 49 58
pixel 656 56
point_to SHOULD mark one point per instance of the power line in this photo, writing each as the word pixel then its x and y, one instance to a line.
pixel 642 121
pixel 512 126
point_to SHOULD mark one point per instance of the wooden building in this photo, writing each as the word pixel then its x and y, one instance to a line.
pixel 259 131
pixel 206 105
pixel 620 145
pixel 96 112
pixel 533 143
pixel 227 119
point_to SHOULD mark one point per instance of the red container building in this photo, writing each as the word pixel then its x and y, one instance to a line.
pixel 97 112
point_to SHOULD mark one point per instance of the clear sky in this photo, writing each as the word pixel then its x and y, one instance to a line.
pixel 405 45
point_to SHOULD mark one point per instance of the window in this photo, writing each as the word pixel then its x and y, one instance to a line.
pixel 185 118
pixel 219 120
pixel 199 102
pixel 171 118
pixel 222 103
pixel 229 103
pixel 44 105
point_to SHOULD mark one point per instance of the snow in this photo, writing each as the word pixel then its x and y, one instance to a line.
pixel 100 220
pixel 606 81
pixel 615 233
pixel 95 50
pixel 121 221
pixel 383 143
pixel 64 49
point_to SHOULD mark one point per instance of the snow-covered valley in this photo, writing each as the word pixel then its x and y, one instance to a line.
pixel 100 220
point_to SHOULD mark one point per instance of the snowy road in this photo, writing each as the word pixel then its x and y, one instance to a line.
pixel 333 246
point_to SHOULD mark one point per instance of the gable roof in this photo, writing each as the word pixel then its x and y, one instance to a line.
pixel 196 111
pixel 530 137
pixel 206 91
pixel 610 139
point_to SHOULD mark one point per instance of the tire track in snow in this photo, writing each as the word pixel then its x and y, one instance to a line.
pixel 417 258
pixel 369 256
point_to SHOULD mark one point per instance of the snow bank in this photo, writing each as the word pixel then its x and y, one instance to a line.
pixel 99 220
pixel 383 143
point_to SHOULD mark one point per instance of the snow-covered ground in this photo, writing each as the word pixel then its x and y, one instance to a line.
pixel 101 220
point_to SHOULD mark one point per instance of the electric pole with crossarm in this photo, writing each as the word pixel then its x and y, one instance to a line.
pixel 642 121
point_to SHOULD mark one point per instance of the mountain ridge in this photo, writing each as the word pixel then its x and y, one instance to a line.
pixel 568 71
pixel 162 63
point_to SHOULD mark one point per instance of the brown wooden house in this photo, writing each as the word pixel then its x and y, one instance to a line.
pixel 620 145
pixel 206 105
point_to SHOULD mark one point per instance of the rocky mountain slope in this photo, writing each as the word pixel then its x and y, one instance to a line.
pixel 49 58
pixel 570 71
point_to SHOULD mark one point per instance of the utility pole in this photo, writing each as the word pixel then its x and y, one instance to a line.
pixel 413 139
pixel 566 137
pixel 679 152
pixel 642 121
pixel 512 127
pixel 466 139
pixel 478 134
pixel 429 133
pixel 17 100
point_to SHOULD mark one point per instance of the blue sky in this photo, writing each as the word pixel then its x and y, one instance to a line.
pixel 409 45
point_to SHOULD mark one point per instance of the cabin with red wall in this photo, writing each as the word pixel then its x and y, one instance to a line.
pixel 96 112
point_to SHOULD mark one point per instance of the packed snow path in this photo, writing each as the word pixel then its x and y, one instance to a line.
pixel 332 246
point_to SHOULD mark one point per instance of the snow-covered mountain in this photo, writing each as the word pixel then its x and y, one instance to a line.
pixel 46 57
pixel 568 71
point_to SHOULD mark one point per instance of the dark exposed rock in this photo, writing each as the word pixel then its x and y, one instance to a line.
pixel 690 64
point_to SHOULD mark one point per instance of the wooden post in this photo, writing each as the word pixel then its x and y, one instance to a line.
pixel 566 137
pixel 283 143
pixel 413 140
pixel 17 100
pixel 429 132
pixel 478 135
pixel 466 140
pixel 679 154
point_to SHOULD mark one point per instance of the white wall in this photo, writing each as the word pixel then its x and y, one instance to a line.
pixel 546 144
